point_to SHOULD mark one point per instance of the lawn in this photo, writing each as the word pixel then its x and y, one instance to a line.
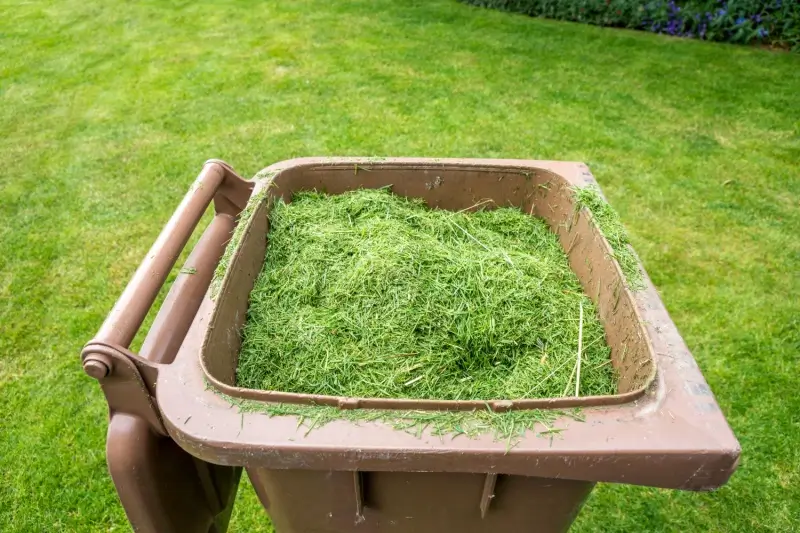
pixel 109 109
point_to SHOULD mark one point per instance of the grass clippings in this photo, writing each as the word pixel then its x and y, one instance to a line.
pixel 609 222
pixel 508 427
pixel 367 294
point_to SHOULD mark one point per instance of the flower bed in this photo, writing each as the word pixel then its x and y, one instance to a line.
pixel 772 22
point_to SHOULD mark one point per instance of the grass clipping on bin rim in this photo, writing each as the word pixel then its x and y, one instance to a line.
pixel 607 219
pixel 367 294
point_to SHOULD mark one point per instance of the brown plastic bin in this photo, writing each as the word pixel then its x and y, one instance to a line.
pixel 176 444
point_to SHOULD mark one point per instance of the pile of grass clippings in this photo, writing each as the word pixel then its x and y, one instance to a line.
pixel 367 294
pixel 607 219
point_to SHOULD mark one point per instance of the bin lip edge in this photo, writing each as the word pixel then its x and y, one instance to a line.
pixel 405 404
pixel 207 426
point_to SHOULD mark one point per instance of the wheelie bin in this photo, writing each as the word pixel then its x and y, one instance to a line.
pixel 178 437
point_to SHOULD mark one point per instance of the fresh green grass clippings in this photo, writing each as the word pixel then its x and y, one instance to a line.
pixel 367 294
pixel 509 426
pixel 609 222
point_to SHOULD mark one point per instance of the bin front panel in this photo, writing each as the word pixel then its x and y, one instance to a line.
pixel 314 501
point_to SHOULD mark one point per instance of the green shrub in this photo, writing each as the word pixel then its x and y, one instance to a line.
pixel 775 22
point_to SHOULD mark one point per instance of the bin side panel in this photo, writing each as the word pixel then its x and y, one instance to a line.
pixel 225 342
pixel 162 488
pixel 602 280
pixel 313 501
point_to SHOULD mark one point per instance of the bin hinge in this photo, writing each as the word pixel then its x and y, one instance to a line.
pixel 127 379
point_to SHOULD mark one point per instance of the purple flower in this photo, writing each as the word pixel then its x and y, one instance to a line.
pixel 721 12
pixel 740 21
pixel 762 32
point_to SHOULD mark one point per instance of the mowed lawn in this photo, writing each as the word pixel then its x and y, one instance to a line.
pixel 108 110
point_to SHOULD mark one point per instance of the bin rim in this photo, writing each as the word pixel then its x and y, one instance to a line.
pixel 672 435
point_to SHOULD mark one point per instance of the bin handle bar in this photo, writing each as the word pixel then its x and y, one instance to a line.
pixel 217 181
